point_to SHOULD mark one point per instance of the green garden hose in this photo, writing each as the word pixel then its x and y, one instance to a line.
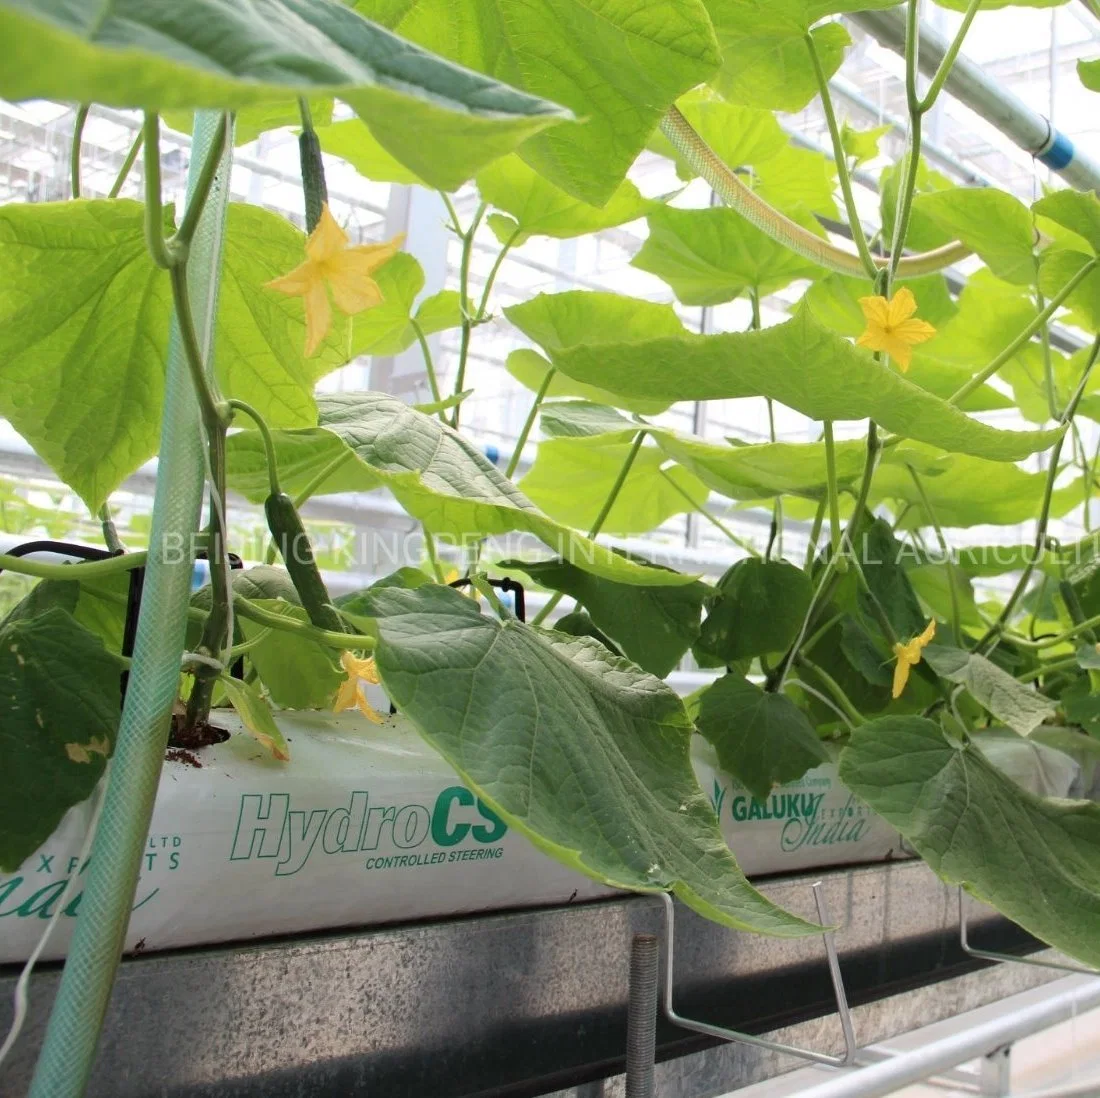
pixel 703 160
pixel 68 1052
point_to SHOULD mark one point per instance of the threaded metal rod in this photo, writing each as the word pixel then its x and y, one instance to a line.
pixel 641 1017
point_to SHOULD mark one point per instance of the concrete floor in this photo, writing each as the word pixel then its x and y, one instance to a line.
pixel 1065 1054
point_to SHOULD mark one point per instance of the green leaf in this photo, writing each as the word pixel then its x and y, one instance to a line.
pixel 59 712
pixel 385 329
pixel 932 584
pixel 880 556
pixel 1078 211
pixel 798 181
pixel 1057 266
pixel 443 121
pixel 834 300
pixel 653 626
pixel 764 470
pixel 1088 657
pixel 256 717
pixel 582 419
pixel 437 475
pixel 757 608
pixel 762 739
pixel 1089 72
pixel 862 145
pixel 843 382
pixel 618 67
pixel 298 672
pixel 1032 859
pixel 737 135
pixel 541 209
pixel 995 224
pixel 572 477
pixel 968 491
pixel 765 62
pixel 250 122
pixel 439 311
pixel 710 256
pixel 582 752
pixel 84 310
pixel 529 368
pixel 923 233
pixel 1018 705
pixel 351 140
pixel 579 623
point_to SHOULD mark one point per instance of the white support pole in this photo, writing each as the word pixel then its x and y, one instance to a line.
pixel 970 85
pixel 1081 994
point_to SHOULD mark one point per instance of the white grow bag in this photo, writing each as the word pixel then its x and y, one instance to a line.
pixel 368 825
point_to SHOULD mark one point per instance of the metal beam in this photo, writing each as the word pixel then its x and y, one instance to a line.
pixel 1030 130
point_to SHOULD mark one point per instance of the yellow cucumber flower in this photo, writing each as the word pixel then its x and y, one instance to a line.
pixel 909 655
pixel 332 265
pixel 891 326
pixel 351 694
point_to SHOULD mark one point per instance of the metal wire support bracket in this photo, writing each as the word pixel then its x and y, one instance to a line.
pixel 1008 958
pixel 850 1047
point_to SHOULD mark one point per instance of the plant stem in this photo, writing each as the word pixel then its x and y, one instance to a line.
pixel 74 155
pixel 740 542
pixel 310 490
pixel 1048 360
pixel 995 630
pixel 492 277
pixel 91 569
pixel 601 518
pixel 841 159
pixel 110 533
pixel 212 414
pixel 464 305
pixel 830 477
pixel 815 533
pixel 952 576
pixel 517 452
pixel 905 195
pixel 948 62
pixel 190 220
pixel 269 442
pixel 842 699
pixel 127 164
pixel 433 555
pixel 429 365
pixel 1055 303
pixel 154 219
pixel 246 609
pixel 1069 663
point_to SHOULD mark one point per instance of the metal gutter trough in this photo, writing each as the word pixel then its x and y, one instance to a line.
pixel 531 1002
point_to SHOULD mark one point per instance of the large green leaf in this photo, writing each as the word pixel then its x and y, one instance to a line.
pixel 529 368
pixel 580 751
pixel 538 208
pixel 84 310
pixel 738 135
pixel 765 62
pixel 764 470
pixel 713 255
pixel 617 66
pixel 1018 705
pixel 582 419
pixel 59 711
pixel 798 181
pixel 757 608
pixel 762 739
pixel 438 476
pixel 881 558
pixel 798 363
pixel 298 672
pixel 352 141
pixel 968 491
pixel 572 477
pixel 653 626
pixel 997 225
pixel 441 120
pixel 1032 859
